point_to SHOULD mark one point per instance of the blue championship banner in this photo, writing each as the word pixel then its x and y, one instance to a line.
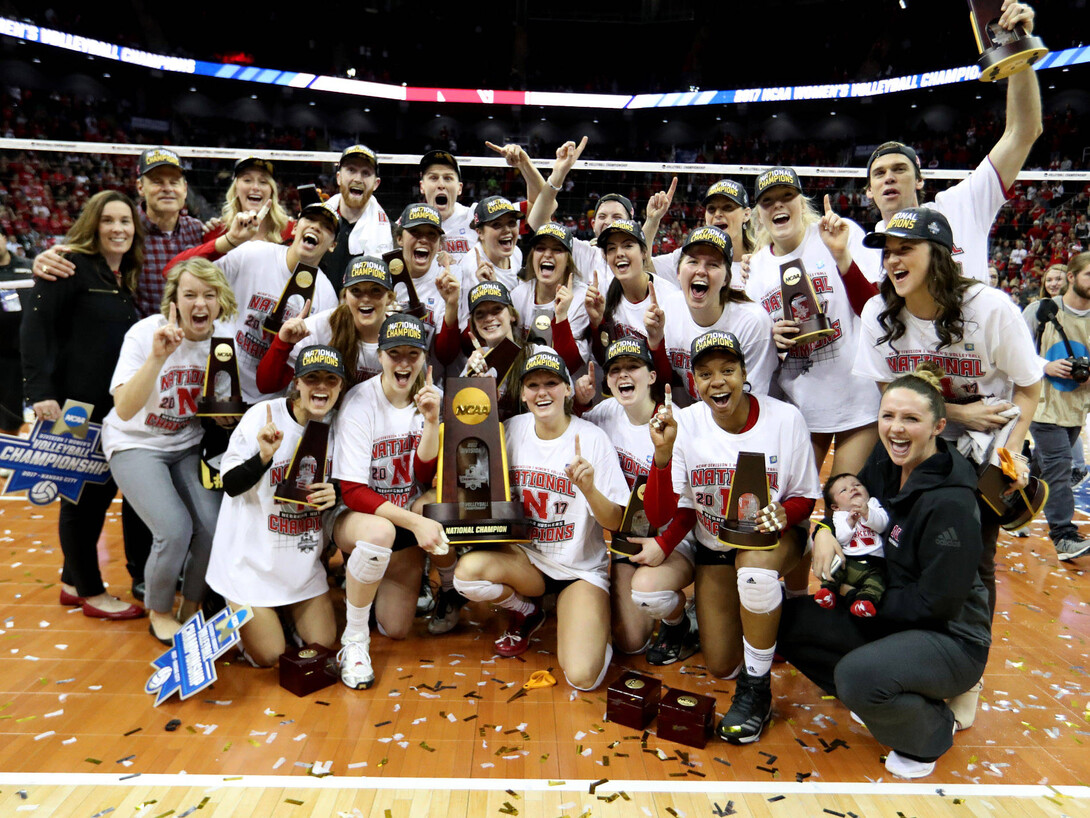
pixel 190 664
pixel 58 458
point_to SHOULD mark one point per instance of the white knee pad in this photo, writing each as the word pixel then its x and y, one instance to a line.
pixel 601 676
pixel 759 589
pixel 656 604
pixel 367 562
pixel 478 590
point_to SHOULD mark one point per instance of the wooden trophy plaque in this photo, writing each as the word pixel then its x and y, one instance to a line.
pixel 307 669
pixel 501 357
pixel 541 326
pixel 800 303
pixel 686 718
pixel 633 700
pixel 400 275
pixel 302 284
pixel 473 493
pixel 308 465
pixel 633 524
pixel 1002 52
pixel 1015 510
pixel 748 495
pixel 222 393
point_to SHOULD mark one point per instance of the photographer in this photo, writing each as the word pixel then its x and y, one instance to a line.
pixel 1063 338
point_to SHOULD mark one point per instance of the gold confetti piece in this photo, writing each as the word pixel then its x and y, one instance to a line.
pixel 234 778
pixel 165 814
pixel 25 718
pixel 147 803
pixel 424 744
pixel 227 746
pixel 93 760
pixel 383 764
pixel 556 783
pixel 296 803
pixel 255 742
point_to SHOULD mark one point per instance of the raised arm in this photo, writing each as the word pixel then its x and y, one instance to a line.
pixel 566 157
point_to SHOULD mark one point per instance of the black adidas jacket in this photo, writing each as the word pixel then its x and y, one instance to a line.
pixel 933 547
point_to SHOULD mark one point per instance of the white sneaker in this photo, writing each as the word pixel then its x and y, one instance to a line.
pixel 355 661
pixel 963 706
pixel 902 767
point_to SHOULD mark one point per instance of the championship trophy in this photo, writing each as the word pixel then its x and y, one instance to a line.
pixel 1018 508
pixel 748 495
pixel 1002 52
pixel 400 275
pixel 541 326
pixel 801 304
pixel 473 493
pixel 634 523
pixel 308 465
pixel 301 285
pixel 222 394
pixel 502 357
pixel 308 669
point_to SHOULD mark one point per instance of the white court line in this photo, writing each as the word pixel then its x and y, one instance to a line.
pixel 299 782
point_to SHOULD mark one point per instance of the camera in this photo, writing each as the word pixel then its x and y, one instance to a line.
pixel 1080 369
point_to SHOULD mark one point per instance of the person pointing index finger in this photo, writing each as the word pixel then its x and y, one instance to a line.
pixel 428 380
pixel 577 452
pixel 173 320
pixel 268 413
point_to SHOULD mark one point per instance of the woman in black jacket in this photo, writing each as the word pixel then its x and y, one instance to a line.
pixel 930 639
pixel 71 338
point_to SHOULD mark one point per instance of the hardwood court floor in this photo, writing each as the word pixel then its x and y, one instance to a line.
pixel 438 736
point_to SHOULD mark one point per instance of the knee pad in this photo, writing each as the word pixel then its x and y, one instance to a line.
pixel 478 590
pixel 601 676
pixel 759 589
pixel 656 604
pixel 367 562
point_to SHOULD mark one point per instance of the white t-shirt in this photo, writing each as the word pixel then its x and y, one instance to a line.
pixel 635 451
pixel 458 236
pixel 746 320
pixel 628 317
pixel 321 332
pixel 567 541
pixel 257 272
pixel 705 456
pixel 523 297
pixel 995 353
pixel 666 267
pixel 168 419
pixel 865 537
pixel 371 234
pixel 466 272
pixel 378 442
pixel 816 376
pixel 267 553
pixel 589 257
pixel 970 206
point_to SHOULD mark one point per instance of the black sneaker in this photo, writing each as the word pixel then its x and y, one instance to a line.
pixel 673 643
pixel 750 709
pixel 447 608
pixel 1077 476
pixel 426 600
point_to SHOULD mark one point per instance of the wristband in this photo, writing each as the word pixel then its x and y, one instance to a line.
pixel 233 245
pixel 554 187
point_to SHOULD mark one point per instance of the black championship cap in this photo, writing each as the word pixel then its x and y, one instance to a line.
pixel 921 223
pixel 367 269
pixel 156 158
pixel 319 358
pixel 552 230
pixel 491 208
pixel 440 158
pixel 546 360
pixel 627 348
pixel 400 330
pixel 713 237
pixel 361 152
pixel 247 162
pixel 488 291
pixel 626 203
pixel 626 226
pixel 716 341
pixel 729 188
pixel 418 215
pixel 323 212
pixel 773 178
pixel 896 147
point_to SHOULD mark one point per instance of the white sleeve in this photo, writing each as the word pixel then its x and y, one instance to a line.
pixel 802 478
pixel 755 334
pixel 979 194
pixel 325 297
pixel 679 474
pixel 841 527
pixel 877 518
pixel 466 271
pixel 869 360
pixel 243 443
pixel 587 256
pixel 135 351
pixel 232 263
pixel 1012 345
pixel 666 265
pixel 608 477
pixel 355 434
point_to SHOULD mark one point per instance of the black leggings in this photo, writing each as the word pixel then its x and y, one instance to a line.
pixel 79 526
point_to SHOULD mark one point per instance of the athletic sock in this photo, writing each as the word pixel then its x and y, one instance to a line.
pixel 758 660
pixel 517 604
pixel 446 576
pixel 356 626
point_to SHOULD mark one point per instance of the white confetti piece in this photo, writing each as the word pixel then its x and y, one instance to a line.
pixel 404 745
pixel 355 765
pixel 46 734
pixel 44 624
pixel 94 687
pixel 69 740
pixel 580 736
pixel 420 720
pixel 487 765
pixel 451 717
pixel 384 740
pixel 30 658
pixel 300 737
pixel 279 763
pixel 61 647
pixel 54 714
pixel 271 738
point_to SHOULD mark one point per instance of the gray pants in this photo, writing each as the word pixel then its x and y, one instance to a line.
pixel 165 489
pixel 1052 457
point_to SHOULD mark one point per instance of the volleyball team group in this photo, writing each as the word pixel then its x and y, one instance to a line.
pixel 629 367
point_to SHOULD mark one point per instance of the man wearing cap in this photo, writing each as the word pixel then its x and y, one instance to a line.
pixel 162 185
pixel 258 272
pixel 364 228
pixel 894 179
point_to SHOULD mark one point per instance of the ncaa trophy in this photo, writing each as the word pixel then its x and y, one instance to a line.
pixel 748 495
pixel 634 522
pixel 308 465
pixel 222 394
pixel 1002 52
pixel 400 275
pixel 473 492
pixel 801 304
pixel 301 285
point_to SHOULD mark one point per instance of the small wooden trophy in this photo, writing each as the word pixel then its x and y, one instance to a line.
pixel 1002 52
pixel 801 304
pixel 633 524
pixel 308 464
pixel 301 284
pixel 1017 509
pixel 473 494
pixel 308 669
pixel 400 275
pixel 686 718
pixel 222 394
pixel 748 495
pixel 633 700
